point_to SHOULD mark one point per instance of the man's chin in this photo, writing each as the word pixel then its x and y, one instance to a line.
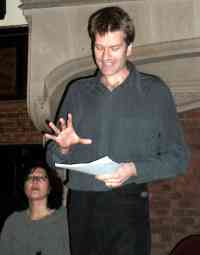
pixel 107 72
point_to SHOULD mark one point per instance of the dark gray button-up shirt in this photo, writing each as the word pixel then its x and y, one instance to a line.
pixel 135 122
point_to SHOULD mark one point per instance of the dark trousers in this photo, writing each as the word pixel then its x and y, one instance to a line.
pixel 115 222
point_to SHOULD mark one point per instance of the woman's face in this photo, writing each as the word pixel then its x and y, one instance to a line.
pixel 37 185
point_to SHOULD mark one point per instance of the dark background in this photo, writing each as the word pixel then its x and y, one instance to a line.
pixel 13 86
pixel 2 9
pixel 14 161
pixel 13 62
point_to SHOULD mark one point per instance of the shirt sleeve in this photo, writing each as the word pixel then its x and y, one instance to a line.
pixel 173 155
pixel 52 150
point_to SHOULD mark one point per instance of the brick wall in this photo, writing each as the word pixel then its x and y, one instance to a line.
pixel 175 207
pixel 15 124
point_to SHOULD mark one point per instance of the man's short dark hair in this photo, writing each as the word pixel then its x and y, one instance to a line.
pixel 111 19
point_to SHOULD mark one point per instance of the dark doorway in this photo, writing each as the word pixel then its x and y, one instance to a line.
pixel 13 62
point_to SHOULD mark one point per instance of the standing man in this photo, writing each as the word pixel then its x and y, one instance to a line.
pixel 129 116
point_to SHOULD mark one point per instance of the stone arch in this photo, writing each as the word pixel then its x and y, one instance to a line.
pixel 177 62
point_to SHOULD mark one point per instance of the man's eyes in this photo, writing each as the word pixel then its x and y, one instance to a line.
pixel 98 47
pixel 113 48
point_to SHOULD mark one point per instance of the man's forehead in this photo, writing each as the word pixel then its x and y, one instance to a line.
pixel 115 36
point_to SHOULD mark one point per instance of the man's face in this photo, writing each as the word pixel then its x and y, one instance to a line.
pixel 111 53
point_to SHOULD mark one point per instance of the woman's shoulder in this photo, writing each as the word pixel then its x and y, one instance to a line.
pixel 15 218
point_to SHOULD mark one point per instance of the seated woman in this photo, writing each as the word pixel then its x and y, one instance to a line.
pixel 41 229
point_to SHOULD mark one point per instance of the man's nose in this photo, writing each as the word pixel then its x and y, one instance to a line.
pixel 106 53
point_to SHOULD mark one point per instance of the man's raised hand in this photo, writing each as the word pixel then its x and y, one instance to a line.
pixel 65 136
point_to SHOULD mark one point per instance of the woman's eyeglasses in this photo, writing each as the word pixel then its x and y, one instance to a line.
pixel 32 178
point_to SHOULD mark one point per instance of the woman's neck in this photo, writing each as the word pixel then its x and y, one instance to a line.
pixel 38 211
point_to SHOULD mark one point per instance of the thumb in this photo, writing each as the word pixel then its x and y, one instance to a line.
pixel 85 141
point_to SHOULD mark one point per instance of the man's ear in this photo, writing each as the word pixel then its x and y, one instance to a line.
pixel 130 50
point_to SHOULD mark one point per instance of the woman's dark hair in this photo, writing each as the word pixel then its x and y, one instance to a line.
pixel 110 19
pixel 55 196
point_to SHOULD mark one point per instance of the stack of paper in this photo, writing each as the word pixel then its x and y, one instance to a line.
pixel 101 166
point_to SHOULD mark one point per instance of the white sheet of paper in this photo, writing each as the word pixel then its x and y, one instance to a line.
pixel 101 166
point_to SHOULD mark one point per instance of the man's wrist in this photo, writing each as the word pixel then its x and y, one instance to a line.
pixel 64 150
